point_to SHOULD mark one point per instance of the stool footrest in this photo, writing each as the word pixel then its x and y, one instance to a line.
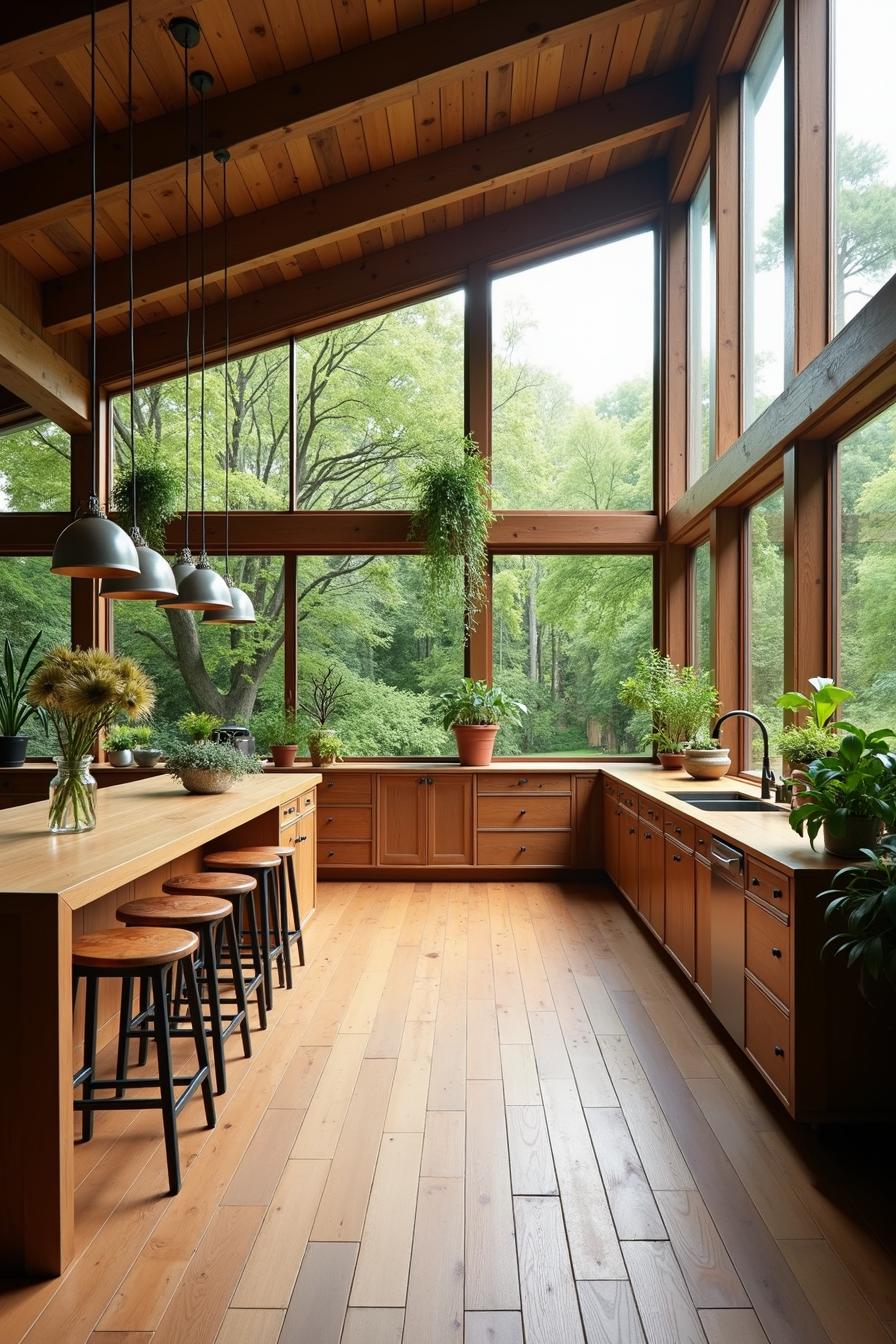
pixel 189 1083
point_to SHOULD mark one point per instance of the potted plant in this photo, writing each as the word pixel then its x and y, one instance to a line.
pixel 145 754
pixel 325 700
pixel 862 901
pixel 802 743
pixel 198 726
pixel 278 733
pixel 476 711
pixel 15 710
pixel 850 795
pixel 83 692
pixel 452 517
pixel 210 767
pixel 158 485
pixel 705 758
pixel 324 747
pixel 680 702
pixel 119 745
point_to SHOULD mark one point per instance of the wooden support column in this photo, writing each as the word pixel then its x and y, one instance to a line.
pixel 674 418
pixel 675 632
pixel 728 621
pixel 478 424
pixel 725 208
pixel 290 633
pixel 808 564
pixel 807 70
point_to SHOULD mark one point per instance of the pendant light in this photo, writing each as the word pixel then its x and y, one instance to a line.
pixel 202 589
pixel 155 579
pixel 93 547
pixel 241 611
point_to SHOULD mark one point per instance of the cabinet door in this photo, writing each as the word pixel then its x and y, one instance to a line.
pixel 402 819
pixel 587 821
pixel 450 819
pixel 627 862
pixel 680 930
pixel 703 914
pixel 652 878
pixel 611 814
pixel 306 865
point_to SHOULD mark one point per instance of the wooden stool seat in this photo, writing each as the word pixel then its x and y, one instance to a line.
pixel 111 949
pixel 264 864
pixel 259 856
pixel 210 884
pixel 175 910
pixel 288 892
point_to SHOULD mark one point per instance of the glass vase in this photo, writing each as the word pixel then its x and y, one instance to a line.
pixel 72 796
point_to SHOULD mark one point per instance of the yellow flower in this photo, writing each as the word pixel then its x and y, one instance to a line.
pixel 88 692
pixel 44 684
pixel 137 696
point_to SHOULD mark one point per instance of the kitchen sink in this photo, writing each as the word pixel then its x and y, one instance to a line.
pixel 725 801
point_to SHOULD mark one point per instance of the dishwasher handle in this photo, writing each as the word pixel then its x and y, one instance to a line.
pixel 725 858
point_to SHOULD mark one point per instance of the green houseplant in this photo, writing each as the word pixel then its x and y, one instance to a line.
pixel 815 738
pixel 476 711
pixel 210 767
pixel 145 754
pixel 119 745
pixel 325 699
pixel 158 486
pixel 15 710
pixel 451 515
pixel 705 757
pixel 277 732
pixel 680 701
pixel 198 726
pixel 325 746
pixel 861 903
pixel 851 794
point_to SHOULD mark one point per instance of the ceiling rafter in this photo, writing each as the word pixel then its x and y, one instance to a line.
pixel 36 32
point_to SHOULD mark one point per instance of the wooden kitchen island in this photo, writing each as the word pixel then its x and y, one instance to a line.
pixel 54 888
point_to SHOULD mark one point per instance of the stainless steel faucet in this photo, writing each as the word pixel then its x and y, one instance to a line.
pixel 768 775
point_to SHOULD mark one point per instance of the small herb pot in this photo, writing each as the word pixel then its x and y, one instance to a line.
pixel 710 764
pixel 13 750
pixel 671 760
pixel 122 758
pixel 205 781
pixel 283 756
pixel 147 757
pixel 846 837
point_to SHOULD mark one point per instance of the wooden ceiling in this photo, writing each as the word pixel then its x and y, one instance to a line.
pixel 355 126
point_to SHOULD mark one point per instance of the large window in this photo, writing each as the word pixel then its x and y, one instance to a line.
pixel 864 243
pixel 701 332
pixel 764 317
pixel 566 630
pixel 701 610
pixel 365 617
pixel 765 635
pixel 868 570
pixel 35 469
pixel 33 601
pixel 227 670
pixel 573 371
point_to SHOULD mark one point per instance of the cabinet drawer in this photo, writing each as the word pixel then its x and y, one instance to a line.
pixel 289 811
pixel 550 848
pixel 307 801
pixel 768 1039
pixel 701 843
pixel 513 782
pixel 650 811
pixel 345 789
pixel 627 798
pixel 344 853
pixel 681 831
pixel 523 813
pixel 768 951
pixel 769 886
pixel 344 823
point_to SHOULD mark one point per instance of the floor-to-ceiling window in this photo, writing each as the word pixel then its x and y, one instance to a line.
pixel 765 341
pixel 701 332
pixel 35 468
pixel 765 644
pixel 701 608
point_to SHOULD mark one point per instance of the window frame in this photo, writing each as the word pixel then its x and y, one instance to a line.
pixel 697 282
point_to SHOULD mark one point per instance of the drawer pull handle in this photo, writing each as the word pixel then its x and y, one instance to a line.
pixel 678 830
pixel 523 780
pixel 631 830
pixel 776 951
pixel 522 811
pixel 300 839
pixel 329 819
pixel 647 835
pixel 779 1051
pixel 331 853
pixel 522 849
pixel 777 895
pixel 755 882
pixel 676 858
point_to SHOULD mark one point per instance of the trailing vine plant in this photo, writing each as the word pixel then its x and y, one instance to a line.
pixel 451 515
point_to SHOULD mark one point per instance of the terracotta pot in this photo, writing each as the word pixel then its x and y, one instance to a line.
pixel 711 764
pixel 283 756
pixel 847 838
pixel 475 742
pixel 206 781
pixel 671 760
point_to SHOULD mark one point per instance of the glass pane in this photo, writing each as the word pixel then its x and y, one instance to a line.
pixel 227 670
pixel 766 619
pixel 567 629
pixel 374 399
pixel 32 600
pixel 35 469
pixel 702 651
pixel 256 407
pixel 364 616
pixel 572 367
pixel 701 332
pixel 867 569
pixel 865 153
pixel 764 282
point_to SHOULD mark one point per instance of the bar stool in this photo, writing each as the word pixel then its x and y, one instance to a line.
pixel 288 889
pixel 261 863
pixel 152 953
pixel 204 916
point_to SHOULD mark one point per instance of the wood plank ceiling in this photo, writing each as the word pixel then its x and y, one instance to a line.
pixel 44 111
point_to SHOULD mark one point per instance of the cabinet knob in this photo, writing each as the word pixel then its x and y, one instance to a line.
pixel 300 839
pixel 676 858
pixel 754 882
pixel 776 951
pixel 779 1051
pixel 647 835
pixel 631 830
pixel 522 811
pixel 522 849
pixel 678 830
pixel 523 780
pixel 331 853
pixel 329 819
pixel 777 895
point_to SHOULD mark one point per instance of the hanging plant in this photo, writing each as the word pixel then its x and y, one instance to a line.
pixel 157 490
pixel 451 515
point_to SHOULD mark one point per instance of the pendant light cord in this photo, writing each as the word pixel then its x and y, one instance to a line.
pixel 94 387
pixel 202 309
pixel 135 526
pixel 187 300
pixel 226 373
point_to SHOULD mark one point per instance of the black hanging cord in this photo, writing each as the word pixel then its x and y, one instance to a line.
pixel 187 300
pixel 225 155
pixel 202 309
pixel 133 391
pixel 94 387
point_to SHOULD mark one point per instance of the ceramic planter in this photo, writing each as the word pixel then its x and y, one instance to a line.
pixel 12 750
pixel 846 837
pixel 710 764
pixel 283 756
pixel 147 757
pixel 122 758
pixel 206 781
pixel 475 742
pixel 671 760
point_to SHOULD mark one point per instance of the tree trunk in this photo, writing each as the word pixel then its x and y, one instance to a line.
pixel 203 690
pixel 533 624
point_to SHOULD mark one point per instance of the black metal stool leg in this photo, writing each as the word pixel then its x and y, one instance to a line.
pixel 239 985
pixel 166 1075
pixel 92 987
pixel 285 944
pixel 143 1008
pixel 124 1024
pixel 192 992
pixel 297 936
pixel 264 891
pixel 278 926
pixel 207 944
pixel 257 961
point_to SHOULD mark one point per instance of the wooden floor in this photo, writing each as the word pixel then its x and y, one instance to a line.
pixel 487 1112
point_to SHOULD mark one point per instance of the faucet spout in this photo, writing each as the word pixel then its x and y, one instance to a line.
pixel 768 775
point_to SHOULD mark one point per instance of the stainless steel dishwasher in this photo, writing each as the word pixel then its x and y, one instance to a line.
pixel 727 937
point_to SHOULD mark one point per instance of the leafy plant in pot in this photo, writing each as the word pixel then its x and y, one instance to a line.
pixel 326 698
pixel 325 747
pixel 145 754
pixel 851 794
pixel 15 711
pixel 278 733
pixel 476 711
pixel 198 726
pixel 802 743
pixel 705 757
pixel 119 745
pixel 680 702
pixel 452 516
pixel 210 767
pixel 862 902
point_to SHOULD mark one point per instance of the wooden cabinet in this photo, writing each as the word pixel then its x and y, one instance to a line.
pixel 702 915
pixel 524 821
pixel 610 814
pixel 652 879
pixel 345 820
pixel 587 821
pixel 425 820
pixel 768 950
pixel 767 1039
pixel 450 819
pixel 680 929
pixel 627 856
pixel 306 865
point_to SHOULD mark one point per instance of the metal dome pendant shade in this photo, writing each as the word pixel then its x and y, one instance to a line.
pixel 154 582
pixel 240 612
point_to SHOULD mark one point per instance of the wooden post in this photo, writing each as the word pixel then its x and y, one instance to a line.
pixel 290 633
pixel 808 564
pixel 674 414
pixel 478 424
pixel 725 209
pixel 675 632
pixel 728 619
pixel 807 67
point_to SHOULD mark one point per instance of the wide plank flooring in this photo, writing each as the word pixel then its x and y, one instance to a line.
pixel 486 1112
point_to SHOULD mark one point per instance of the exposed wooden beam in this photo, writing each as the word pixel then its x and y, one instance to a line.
pixel 300 102
pixel 32 33
pixel 380 198
pixel 398 274
pixel 846 383
pixel 44 379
